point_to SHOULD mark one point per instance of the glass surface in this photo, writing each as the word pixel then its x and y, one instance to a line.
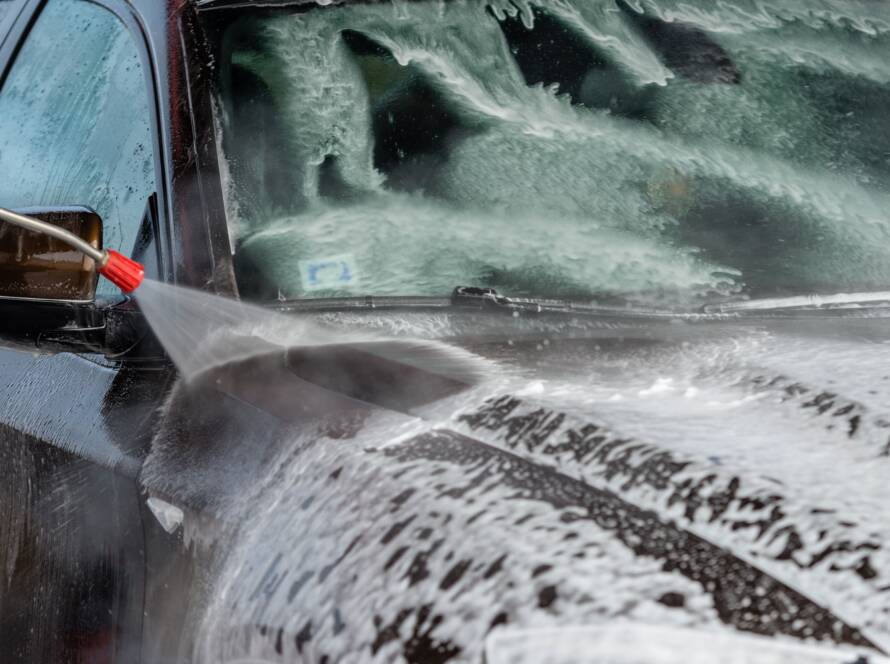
pixel 5 8
pixel 75 127
pixel 655 151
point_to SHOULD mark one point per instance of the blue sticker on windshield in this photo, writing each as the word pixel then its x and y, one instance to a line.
pixel 330 273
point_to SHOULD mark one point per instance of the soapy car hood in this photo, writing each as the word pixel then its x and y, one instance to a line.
pixel 722 476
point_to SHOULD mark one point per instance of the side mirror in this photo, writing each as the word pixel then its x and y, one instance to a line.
pixel 40 267
pixel 48 287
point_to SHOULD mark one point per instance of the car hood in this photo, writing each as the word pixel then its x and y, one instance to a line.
pixel 721 476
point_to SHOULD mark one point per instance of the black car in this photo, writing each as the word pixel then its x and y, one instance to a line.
pixel 567 340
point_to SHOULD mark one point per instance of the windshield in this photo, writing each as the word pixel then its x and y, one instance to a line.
pixel 649 150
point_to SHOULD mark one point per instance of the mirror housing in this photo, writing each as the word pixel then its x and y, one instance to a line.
pixel 48 289
pixel 51 326
pixel 34 266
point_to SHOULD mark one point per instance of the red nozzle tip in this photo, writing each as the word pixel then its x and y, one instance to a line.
pixel 123 272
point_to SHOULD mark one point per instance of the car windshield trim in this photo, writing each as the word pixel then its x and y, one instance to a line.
pixel 203 5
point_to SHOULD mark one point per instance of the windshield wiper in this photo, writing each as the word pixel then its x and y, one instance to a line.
pixel 472 298
pixel 490 300
pixel 813 302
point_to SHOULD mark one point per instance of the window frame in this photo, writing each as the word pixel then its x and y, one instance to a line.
pixel 205 146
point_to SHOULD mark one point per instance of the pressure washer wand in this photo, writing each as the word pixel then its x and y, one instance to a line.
pixel 123 272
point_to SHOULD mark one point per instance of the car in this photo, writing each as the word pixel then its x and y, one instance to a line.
pixel 472 331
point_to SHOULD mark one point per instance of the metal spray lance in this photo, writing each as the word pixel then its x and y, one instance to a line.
pixel 123 272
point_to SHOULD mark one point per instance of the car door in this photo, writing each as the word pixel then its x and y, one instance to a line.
pixel 75 129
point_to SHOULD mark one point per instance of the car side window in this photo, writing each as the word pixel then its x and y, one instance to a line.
pixel 8 11
pixel 74 121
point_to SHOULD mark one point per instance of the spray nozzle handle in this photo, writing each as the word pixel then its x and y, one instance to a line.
pixel 123 272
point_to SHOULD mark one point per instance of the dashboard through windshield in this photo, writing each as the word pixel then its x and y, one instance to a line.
pixel 653 151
